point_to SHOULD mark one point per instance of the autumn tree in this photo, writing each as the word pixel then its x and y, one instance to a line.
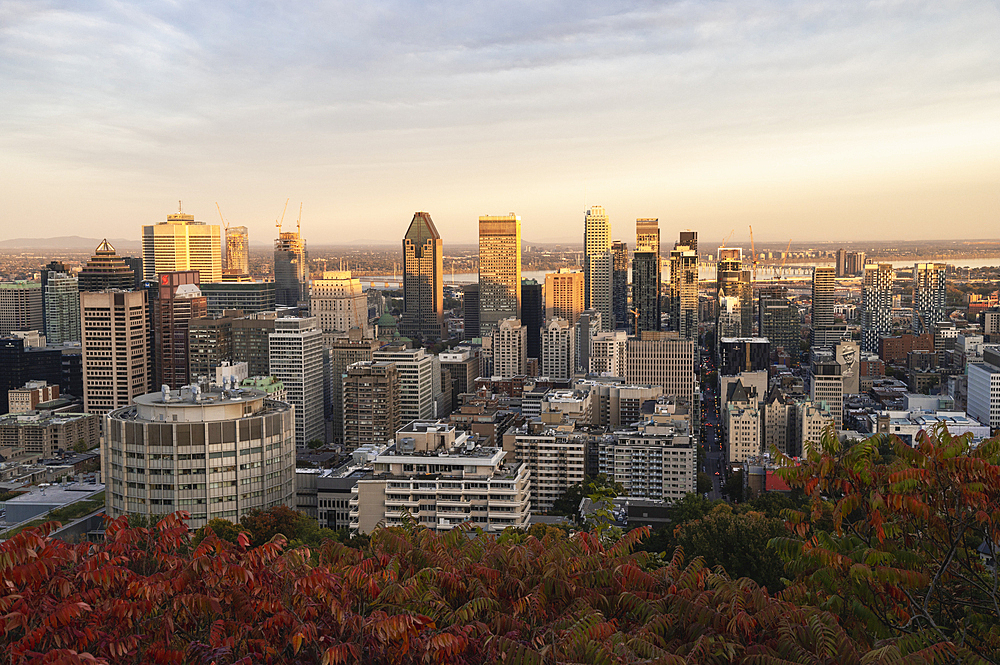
pixel 890 545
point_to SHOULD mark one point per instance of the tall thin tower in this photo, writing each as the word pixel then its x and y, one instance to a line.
pixel 598 265
pixel 928 296
pixel 237 251
pixel 291 266
pixel 646 274
pixel 499 270
pixel 684 285
pixel 423 279
pixel 876 305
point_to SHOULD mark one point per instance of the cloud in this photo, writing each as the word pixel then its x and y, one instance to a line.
pixel 370 109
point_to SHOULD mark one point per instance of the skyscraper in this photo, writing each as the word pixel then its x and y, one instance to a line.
pixel 178 302
pixel 558 354
pixel 499 270
pixel 115 331
pixel 684 285
pixel 344 352
pixel 237 251
pixel 423 279
pixel 564 294
pixel 181 243
pixel 876 305
pixel 470 310
pixel 647 235
pixel 21 307
pixel 532 315
pixel 734 317
pixel 291 268
pixel 62 308
pixel 419 389
pixel 928 296
pixel 619 283
pixel 823 284
pixel 339 303
pixel 510 348
pixel 295 352
pixel 596 242
pixel 106 270
pixel 779 320
pixel 371 404
pixel 601 269
pixel 646 289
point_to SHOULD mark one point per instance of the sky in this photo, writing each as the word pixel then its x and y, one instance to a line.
pixel 808 120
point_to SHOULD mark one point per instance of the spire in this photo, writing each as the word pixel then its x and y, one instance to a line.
pixel 105 247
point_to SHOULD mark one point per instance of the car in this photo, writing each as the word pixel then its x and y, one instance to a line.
pixel 716 473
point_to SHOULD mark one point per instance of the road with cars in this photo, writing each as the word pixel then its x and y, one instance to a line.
pixel 712 439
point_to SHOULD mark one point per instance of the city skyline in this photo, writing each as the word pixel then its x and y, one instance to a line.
pixel 878 121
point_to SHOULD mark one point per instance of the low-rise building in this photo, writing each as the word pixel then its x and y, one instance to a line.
pixel 442 478
pixel 22 400
pixel 39 434
pixel 651 461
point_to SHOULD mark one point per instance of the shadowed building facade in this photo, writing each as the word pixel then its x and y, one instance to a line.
pixel 423 279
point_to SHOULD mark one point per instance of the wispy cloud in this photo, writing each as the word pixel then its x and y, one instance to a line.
pixel 370 110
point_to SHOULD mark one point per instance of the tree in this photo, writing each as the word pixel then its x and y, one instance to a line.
pixel 891 545
pixel 81 446
pixel 569 503
pixel 315 444
pixel 704 483
pixel 264 525
pixel 222 529
pixel 733 487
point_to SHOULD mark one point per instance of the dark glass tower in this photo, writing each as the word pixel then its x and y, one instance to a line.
pixel 619 283
pixel 532 315
pixel 423 279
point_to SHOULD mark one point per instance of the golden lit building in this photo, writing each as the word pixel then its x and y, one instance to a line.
pixel 499 270
pixel 181 243
pixel 564 295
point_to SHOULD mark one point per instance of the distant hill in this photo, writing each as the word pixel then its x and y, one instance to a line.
pixel 69 242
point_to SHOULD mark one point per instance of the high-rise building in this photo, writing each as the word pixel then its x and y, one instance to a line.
pixel 734 317
pixel 62 309
pixel 587 327
pixel 21 307
pixel 291 267
pixel 779 320
pixel 249 464
pixel 344 352
pixel 237 251
pixel 115 331
pixel 510 349
pixel 598 264
pixel 684 285
pixel 663 359
pixel 371 404
pixel 210 344
pixel 564 295
pixel 743 354
pixel 499 270
pixel 106 270
pixel 619 283
pixel 470 310
pixel 600 276
pixel 20 363
pixel 250 297
pixel 646 289
pixel 179 301
pixel 251 341
pixel 181 243
pixel 647 235
pixel 295 353
pixel 928 296
pixel 876 305
pixel 823 284
pixel 608 351
pixel 841 262
pixel 463 365
pixel 339 303
pixel 828 388
pixel 423 279
pixel 532 315
pixel 419 380
pixel 557 359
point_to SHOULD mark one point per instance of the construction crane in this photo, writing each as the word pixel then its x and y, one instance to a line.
pixel 726 239
pixel 225 224
pixel 635 313
pixel 781 270
pixel 298 222
pixel 278 222
pixel 753 251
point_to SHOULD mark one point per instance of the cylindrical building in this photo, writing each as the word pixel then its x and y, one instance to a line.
pixel 216 454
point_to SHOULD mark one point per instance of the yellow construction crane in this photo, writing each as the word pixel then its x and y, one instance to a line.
pixel 753 251
pixel 298 222
pixel 726 239
pixel 781 270
pixel 635 313
pixel 225 224
pixel 278 222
